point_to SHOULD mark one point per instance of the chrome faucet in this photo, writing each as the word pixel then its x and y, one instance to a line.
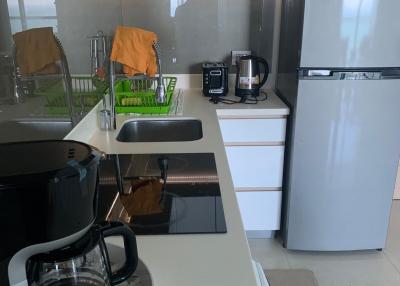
pixel 160 90
pixel 108 116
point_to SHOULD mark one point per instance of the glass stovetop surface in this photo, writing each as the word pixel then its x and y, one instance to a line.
pixel 190 201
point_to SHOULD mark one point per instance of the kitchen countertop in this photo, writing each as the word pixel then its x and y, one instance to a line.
pixel 193 259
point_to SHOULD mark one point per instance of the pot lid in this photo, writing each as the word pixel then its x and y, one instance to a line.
pixel 37 157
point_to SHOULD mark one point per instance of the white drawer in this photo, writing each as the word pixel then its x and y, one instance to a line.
pixel 260 210
pixel 253 130
pixel 255 166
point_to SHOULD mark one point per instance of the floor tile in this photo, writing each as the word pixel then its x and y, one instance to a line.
pixel 357 268
pixel 392 249
pixel 269 253
pixel 361 268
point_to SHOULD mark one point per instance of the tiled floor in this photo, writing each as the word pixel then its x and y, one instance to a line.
pixel 359 268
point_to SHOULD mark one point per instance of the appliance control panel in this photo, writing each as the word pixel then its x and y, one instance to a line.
pixel 214 65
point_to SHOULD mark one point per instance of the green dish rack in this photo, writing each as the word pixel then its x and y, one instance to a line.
pixel 138 96
pixel 86 91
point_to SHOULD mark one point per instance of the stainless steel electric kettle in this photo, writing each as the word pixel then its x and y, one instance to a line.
pixel 248 81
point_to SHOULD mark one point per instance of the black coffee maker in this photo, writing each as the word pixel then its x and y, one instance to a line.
pixel 85 262
pixel 48 201
pixel 248 82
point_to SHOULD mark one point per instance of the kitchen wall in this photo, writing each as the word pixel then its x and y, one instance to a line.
pixel 190 31
pixel 5 29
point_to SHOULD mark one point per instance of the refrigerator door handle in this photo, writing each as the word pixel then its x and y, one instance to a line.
pixel 315 74
pixel 350 74
pixel 391 74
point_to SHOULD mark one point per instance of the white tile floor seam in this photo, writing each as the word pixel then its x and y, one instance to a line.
pixel 392 262
pixel 288 260
pixel 358 268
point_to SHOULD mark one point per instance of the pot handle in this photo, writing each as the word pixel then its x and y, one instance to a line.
pixel 266 70
pixel 131 254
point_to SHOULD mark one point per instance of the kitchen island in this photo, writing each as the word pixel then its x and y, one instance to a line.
pixel 195 259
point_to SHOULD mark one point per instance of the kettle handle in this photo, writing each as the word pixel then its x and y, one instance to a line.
pixel 266 70
pixel 131 254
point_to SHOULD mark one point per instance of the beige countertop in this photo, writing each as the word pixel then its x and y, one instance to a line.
pixel 196 259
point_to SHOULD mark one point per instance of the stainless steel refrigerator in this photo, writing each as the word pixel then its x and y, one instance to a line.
pixel 339 72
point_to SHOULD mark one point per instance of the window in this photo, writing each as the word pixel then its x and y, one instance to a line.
pixel 27 14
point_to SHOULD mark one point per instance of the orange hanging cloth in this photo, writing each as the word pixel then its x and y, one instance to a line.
pixel 133 47
pixel 37 51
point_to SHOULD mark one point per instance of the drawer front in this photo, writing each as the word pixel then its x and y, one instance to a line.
pixel 260 210
pixel 253 130
pixel 255 166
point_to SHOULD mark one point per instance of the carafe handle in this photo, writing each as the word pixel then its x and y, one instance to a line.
pixel 266 70
pixel 131 254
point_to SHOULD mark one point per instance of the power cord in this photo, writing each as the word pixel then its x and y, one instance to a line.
pixel 244 100
pixel 163 165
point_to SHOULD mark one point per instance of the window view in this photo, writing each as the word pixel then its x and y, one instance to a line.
pixel 27 14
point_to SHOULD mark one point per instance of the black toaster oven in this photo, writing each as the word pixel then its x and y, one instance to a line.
pixel 215 79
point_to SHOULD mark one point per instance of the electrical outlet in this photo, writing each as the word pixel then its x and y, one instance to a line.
pixel 236 54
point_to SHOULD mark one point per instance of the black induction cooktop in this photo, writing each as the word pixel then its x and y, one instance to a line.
pixel 162 193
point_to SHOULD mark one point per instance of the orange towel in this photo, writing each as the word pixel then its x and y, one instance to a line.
pixel 37 51
pixel 133 47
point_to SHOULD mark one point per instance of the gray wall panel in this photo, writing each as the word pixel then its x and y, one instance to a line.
pixel 5 29
pixel 79 19
pixel 190 31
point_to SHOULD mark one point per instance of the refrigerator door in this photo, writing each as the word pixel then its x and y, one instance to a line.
pixel 357 33
pixel 346 148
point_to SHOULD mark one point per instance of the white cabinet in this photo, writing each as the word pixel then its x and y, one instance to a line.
pixel 260 210
pixel 255 152
pixel 255 166
pixel 249 130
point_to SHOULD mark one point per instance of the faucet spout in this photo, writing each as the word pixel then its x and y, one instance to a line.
pixel 160 90
pixel 160 93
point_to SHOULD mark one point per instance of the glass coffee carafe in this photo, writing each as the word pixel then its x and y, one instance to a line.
pixel 86 261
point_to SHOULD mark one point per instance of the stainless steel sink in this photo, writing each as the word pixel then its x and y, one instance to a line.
pixel 161 130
